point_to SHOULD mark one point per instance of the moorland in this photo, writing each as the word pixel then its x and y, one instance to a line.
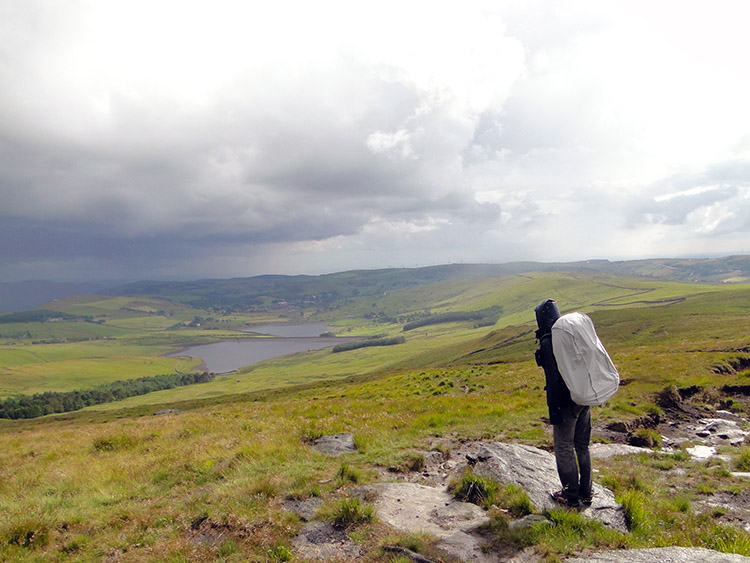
pixel 200 471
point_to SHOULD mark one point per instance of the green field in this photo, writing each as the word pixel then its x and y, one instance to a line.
pixel 139 342
pixel 115 482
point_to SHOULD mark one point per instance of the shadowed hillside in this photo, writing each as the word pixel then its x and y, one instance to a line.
pixel 327 291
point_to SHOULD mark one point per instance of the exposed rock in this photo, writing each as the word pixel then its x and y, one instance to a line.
pixel 650 421
pixel 620 426
pixel 416 508
pixel 407 553
pixel 720 431
pixel 701 452
pixel 320 541
pixel 726 507
pixel 526 521
pixel 335 444
pixel 669 398
pixel 418 461
pixel 535 472
pixel 611 450
pixel 661 555
pixel 305 508
pixel 167 411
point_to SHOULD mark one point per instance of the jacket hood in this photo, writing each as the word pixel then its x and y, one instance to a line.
pixel 546 315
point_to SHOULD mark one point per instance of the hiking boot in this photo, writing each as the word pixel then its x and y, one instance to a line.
pixel 560 498
pixel 587 500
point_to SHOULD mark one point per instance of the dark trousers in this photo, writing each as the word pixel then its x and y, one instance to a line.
pixel 571 438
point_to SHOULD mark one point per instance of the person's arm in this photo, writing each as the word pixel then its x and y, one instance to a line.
pixel 556 389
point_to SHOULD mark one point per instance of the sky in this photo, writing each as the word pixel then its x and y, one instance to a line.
pixel 156 139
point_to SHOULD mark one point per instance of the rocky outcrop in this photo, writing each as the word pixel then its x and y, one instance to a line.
pixel 661 555
pixel 416 508
pixel 535 472
pixel 321 541
pixel 719 431
pixel 335 444
pixel 600 451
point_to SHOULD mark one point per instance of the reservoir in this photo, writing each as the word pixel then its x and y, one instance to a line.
pixel 229 355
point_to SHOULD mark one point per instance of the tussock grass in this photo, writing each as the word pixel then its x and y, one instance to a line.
pixel 349 512
pixel 474 489
pixel 487 493
pixel 561 534
pixel 742 459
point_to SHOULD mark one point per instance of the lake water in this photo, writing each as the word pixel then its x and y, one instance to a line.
pixel 229 355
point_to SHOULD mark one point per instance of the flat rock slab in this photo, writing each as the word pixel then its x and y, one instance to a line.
pixel 534 470
pixel 335 444
pixel 415 508
pixel 661 555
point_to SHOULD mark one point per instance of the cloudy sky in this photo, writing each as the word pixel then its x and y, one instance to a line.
pixel 190 139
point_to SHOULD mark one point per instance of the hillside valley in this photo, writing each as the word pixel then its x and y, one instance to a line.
pixel 439 365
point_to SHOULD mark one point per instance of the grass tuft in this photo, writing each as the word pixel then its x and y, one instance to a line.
pixel 742 459
pixel 727 540
pixel 475 489
pixel 115 443
pixel 29 533
pixel 563 533
pixel 351 512
pixel 647 437
pixel 410 461
pixel 633 502
pixel 347 474
pixel 280 553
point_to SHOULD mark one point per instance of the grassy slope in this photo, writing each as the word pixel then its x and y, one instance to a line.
pixel 98 484
pixel 426 346
pixel 131 343
pixel 139 349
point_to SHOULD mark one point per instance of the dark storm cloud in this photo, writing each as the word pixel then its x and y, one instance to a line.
pixel 173 137
pixel 256 170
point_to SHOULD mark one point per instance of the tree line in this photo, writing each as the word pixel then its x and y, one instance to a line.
pixel 484 317
pixel 369 342
pixel 40 316
pixel 50 402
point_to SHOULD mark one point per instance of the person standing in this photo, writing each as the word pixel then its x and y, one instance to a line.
pixel 571 423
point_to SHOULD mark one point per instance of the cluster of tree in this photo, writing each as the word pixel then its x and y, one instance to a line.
pixel 369 342
pixel 40 404
pixel 484 317
pixel 382 317
pixel 39 316
pixel 414 316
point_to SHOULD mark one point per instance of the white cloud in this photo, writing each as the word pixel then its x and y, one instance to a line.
pixel 162 133
pixel 396 144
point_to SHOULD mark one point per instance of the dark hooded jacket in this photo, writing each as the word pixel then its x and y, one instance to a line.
pixel 558 395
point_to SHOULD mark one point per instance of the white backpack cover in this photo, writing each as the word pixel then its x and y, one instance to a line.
pixel 583 362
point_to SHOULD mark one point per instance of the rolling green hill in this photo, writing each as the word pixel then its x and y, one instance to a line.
pixel 209 480
pixel 129 336
pixel 327 291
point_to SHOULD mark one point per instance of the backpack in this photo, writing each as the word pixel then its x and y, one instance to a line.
pixel 583 362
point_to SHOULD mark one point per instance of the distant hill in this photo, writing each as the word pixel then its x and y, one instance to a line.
pixel 325 290
pixel 25 295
